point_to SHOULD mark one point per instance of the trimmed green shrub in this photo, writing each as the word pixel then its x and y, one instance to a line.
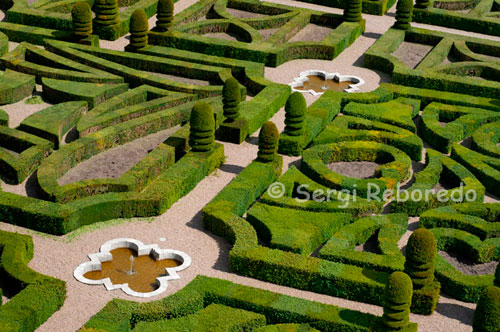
pixel 164 15
pixel 420 253
pixel 231 98
pixel 487 314
pixel 106 12
pixel 422 4
pixel 268 142
pixel 352 11
pixel 404 10
pixel 138 29
pixel 397 301
pixel 202 134
pixel 295 113
pixel 82 19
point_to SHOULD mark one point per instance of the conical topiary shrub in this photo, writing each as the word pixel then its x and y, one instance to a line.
pixel 268 142
pixel 202 132
pixel 106 12
pixel 352 11
pixel 397 301
pixel 138 29
pixel 81 15
pixel 487 314
pixel 164 15
pixel 231 98
pixel 295 114
pixel 420 253
pixel 404 10
pixel 422 4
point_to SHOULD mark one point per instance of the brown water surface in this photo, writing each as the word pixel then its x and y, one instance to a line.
pixel 317 83
pixel 146 268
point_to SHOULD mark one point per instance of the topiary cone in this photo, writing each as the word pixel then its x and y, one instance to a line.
pixel 231 98
pixel 139 29
pixel 404 10
pixel 107 12
pixel 420 253
pixel 81 15
pixel 202 132
pixel 397 301
pixel 268 142
pixel 295 114
pixel 352 11
pixel 165 15
pixel 487 314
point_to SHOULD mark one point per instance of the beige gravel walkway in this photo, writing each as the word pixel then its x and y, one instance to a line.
pixel 181 224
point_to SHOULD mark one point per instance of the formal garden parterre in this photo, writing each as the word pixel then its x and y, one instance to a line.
pixel 367 211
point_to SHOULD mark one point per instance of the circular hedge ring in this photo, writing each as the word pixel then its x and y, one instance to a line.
pixel 486 138
pixel 396 166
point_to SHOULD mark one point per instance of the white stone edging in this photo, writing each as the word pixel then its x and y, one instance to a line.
pixel 151 249
pixel 299 81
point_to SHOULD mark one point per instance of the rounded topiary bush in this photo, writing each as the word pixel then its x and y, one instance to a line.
pixel 420 253
pixel 139 29
pixel 202 132
pixel 268 142
pixel 295 113
pixel 106 12
pixel 165 15
pixel 231 98
pixel 352 11
pixel 397 300
pixel 487 314
pixel 404 10
pixel 81 15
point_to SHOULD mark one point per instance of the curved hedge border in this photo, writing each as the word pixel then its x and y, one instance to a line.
pixel 15 86
pixel 120 315
pixel 439 166
pixel 486 138
pixel 388 229
pixel 459 122
pixel 396 165
pixel 38 296
pixel 429 73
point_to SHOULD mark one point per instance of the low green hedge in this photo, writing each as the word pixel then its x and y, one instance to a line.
pixel 38 296
pixel 396 166
pixel 349 128
pixel 439 167
pixel 202 292
pixel 486 138
pixel 387 228
pixel 442 125
pixel 485 168
pixel 15 86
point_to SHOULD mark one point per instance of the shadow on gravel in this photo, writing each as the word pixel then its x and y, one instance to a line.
pixel 455 311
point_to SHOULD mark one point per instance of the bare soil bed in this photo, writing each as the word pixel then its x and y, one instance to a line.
pixel 243 13
pixel 466 266
pixel 312 32
pixel 266 33
pixel 355 169
pixel 224 35
pixel 115 162
pixel 411 53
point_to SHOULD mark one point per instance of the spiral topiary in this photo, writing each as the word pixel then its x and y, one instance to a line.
pixel 138 29
pixel 420 253
pixel 268 142
pixel 352 11
pixel 231 98
pixel 397 301
pixel 106 12
pixel 404 10
pixel 487 314
pixel 202 132
pixel 295 114
pixel 81 15
pixel 164 15
pixel 422 4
